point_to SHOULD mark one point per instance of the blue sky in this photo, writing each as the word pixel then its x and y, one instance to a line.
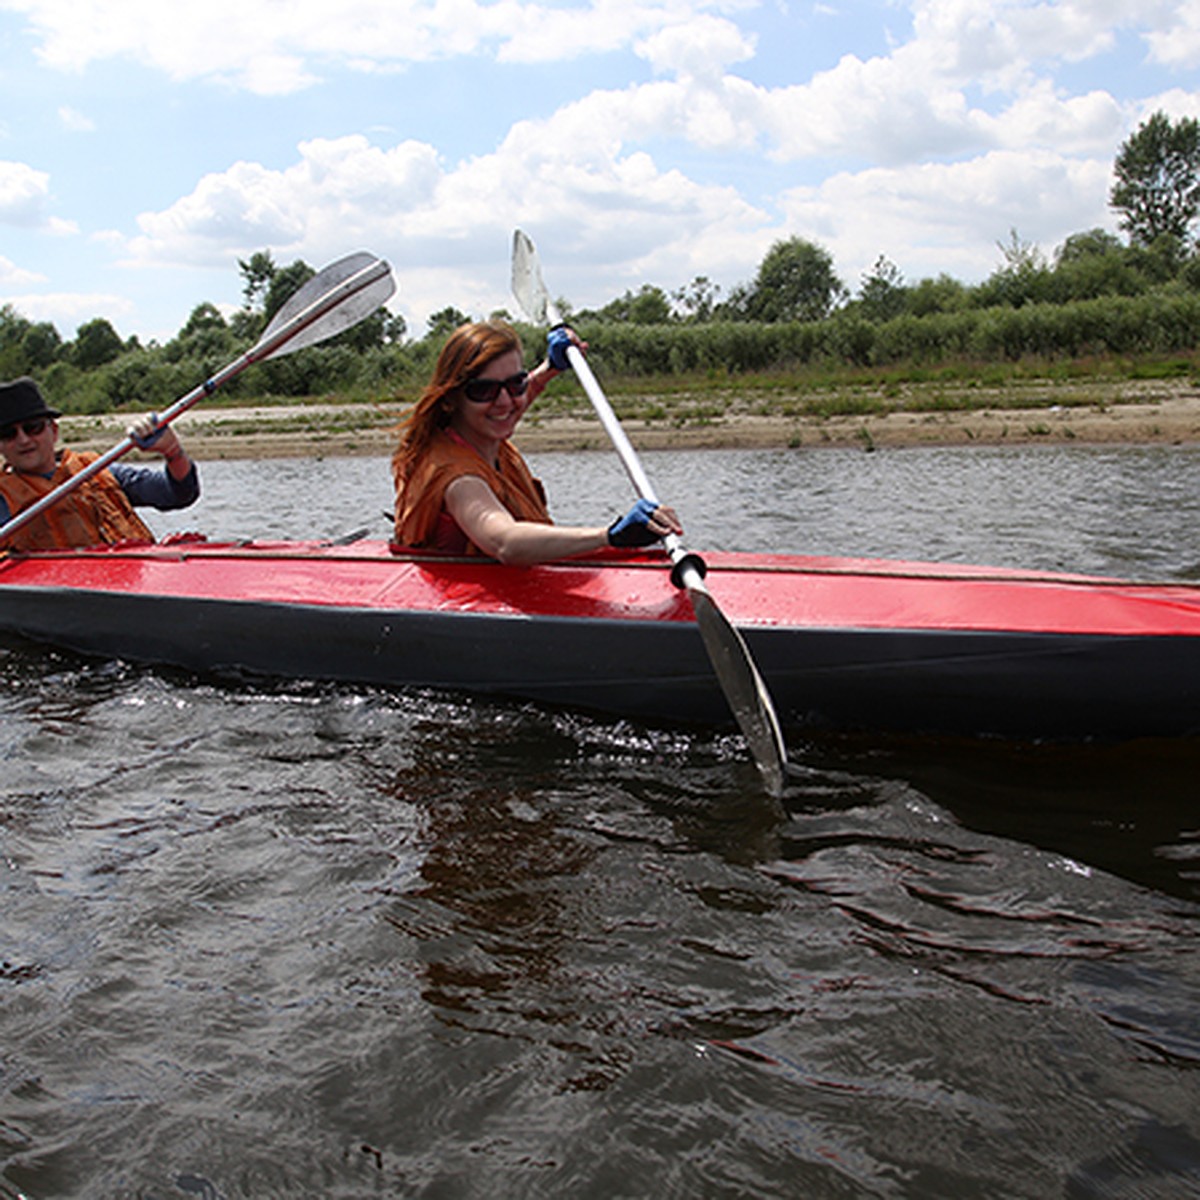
pixel 145 147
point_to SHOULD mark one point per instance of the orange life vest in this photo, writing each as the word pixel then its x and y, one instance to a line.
pixel 421 517
pixel 97 511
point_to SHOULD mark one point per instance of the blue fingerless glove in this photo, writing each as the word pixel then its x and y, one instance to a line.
pixel 144 443
pixel 557 342
pixel 631 530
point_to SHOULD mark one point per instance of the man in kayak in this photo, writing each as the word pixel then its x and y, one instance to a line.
pixel 101 508
pixel 462 488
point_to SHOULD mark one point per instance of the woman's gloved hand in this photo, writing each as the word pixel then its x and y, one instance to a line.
pixel 558 340
pixel 643 525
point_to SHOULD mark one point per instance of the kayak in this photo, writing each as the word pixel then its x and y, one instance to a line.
pixel 843 644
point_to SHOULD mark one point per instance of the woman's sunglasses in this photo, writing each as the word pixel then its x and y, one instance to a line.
pixel 31 428
pixel 484 391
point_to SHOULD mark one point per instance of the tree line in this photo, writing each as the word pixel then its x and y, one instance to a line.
pixel 1097 295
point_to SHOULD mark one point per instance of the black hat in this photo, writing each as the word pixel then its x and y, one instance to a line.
pixel 21 400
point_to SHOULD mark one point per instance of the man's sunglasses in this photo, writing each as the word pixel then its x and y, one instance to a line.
pixel 31 428
pixel 484 391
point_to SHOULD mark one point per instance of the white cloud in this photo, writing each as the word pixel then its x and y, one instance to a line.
pixel 68 310
pixel 938 217
pixel 13 276
pixel 1176 103
pixel 338 191
pixel 25 199
pixel 995 42
pixel 700 48
pixel 1174 39
pixel 444 228
pixel 74 120
pixel 275 47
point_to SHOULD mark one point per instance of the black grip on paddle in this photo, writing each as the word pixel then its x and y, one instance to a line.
pixel 685 561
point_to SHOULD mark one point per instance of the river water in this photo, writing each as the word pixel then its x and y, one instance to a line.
pixel 301 940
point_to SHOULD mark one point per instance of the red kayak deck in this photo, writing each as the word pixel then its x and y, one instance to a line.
pixel 778 591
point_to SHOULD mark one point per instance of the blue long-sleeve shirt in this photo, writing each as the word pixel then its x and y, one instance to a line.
pixel 146 487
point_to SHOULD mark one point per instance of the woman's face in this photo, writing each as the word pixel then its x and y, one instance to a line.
pixel 487 423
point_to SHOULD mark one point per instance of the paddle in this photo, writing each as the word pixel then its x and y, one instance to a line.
pixel 333 300
pixel 739 678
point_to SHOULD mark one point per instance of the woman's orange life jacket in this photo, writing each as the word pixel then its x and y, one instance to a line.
pixel 96 512
pixel 422 521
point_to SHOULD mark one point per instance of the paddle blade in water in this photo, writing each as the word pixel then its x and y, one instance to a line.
pixel 743 687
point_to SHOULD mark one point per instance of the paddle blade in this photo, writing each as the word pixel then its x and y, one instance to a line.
pixel 748 697
pixel 339 279
pixel 527 284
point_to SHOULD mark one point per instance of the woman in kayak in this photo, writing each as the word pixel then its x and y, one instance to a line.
pixel 462 488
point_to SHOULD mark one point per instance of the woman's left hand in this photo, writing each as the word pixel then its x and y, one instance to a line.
pixel 557 342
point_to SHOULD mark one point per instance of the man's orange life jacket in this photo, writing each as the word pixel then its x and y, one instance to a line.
pixel 97 511
pixel 421 497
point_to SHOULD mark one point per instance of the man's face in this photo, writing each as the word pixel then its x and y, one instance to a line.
pixel 28 446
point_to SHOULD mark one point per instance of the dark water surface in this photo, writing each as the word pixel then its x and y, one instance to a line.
pixel 302 940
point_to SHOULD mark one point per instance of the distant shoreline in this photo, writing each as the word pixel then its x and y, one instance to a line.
pixel 1159 414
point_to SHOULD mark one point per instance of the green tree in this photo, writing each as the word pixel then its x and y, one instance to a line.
pixel 1089 244
pixel 96 343
pixel 258 271
pixel 40 345
pixel 795 282
pixel 203 317
pixel 698 300
pixel 395 328
pixel 1024 278
pixel 444 322
pixel 25 346
pixel 941 295
pixel 1094 263
pixel 1157 188
pixel 647 306
pixel 881 295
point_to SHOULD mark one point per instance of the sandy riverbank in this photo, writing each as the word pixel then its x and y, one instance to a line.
pixel 1159 413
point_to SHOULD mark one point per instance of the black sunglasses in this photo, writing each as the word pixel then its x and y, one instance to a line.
pixel 484 391
pixel 31 428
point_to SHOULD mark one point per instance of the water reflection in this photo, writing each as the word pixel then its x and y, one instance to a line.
pixel 1129 808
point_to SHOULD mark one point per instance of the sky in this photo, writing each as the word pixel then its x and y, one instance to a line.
pixel 146 147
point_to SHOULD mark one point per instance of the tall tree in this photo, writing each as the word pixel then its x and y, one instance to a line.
pixel 444 322
pixel 881 295
pixel 795 282
pixel 698 300
pixel 1157 188
pixel 96 343
pixel 647 306
pixel 257 273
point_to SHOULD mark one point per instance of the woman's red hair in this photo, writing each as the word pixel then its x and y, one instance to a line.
pixel 467 351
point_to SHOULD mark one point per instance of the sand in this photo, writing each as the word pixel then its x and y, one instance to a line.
pixel 1130 413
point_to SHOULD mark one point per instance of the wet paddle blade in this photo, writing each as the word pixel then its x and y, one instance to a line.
pixel 748 698
pixel 527 284
pixel 339 297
